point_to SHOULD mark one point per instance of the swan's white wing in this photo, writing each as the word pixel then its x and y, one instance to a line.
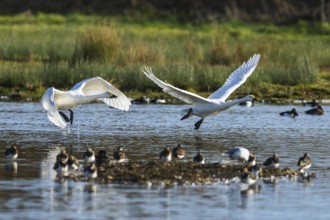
pixel 49 105
pixel 185 96
pixel 236 79
pixel 96 86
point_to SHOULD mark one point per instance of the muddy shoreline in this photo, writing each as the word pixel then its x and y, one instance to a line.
pixel 176 173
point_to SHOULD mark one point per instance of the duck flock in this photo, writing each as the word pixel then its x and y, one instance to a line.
pixel 87 165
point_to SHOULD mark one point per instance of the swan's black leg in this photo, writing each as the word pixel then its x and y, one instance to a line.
pixel 71 116
pixel 64 116
pixel 198 124
pixel 187 115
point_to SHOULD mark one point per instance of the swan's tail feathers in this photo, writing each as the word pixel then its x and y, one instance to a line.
pixel 186 113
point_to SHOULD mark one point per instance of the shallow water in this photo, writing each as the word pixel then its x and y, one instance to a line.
pixel 28 189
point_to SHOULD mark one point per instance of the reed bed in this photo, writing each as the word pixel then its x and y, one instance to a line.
pixel 57 51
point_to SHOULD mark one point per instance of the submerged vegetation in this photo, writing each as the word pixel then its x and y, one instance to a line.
pixel 38 51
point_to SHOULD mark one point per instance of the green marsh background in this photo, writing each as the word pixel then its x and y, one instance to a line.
pixel 39 50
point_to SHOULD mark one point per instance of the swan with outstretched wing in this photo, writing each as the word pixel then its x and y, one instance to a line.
pixel 216 102
pixel 86 91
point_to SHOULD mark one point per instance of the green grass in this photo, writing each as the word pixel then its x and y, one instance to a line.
pixel 54 50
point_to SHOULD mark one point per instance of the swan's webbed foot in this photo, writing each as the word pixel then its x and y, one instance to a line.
pixel 71 116
pixel 66 118
pixel 187 115
pixel 198 124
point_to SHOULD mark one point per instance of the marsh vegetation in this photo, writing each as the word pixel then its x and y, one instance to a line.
pixel 42 50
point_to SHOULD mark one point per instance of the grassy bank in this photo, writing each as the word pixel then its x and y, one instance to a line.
pixel 53 50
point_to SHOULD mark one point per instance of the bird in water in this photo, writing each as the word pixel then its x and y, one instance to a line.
pixel 61 168
pixel 73 163
pixel 90 171
pixel 86 91
pixel 216 102
pixel 241 154
pixel 119 155
pixel 272 162
pixel 101 157
pixel 304 163
pixel 199 158
pixel 256 170
pixel 318 110
pixel 252 160
pixel 248 177
pixel 62 156
pixel 313 103
pixel 293 113
pixel 165 155
pixel 11 152
pixel 178 152
pixel 89 155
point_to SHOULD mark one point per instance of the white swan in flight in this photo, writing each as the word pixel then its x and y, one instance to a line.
pixel 216 102
pixel 83 92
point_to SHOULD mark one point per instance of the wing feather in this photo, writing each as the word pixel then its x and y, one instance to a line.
pixel 183 95
pixel 236 79
pixel 96 86
pixel 49 105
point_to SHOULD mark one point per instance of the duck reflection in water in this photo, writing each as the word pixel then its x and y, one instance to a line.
pixel 11 166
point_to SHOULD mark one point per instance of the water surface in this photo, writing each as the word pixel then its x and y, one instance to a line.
pixel 30 192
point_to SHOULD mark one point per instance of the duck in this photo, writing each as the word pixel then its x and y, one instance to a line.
pixel 90 171
pixel 73 163
pixel 304 163
pixel 251 161
pixel 313 103
pixel 272 162
pixel 241 154
pixel 61 168
pixel 256 170
pixel 216 102
pixel 62 156
pixel 165 155
pixel 101 157
pixel 11 152
pixel 119 155
pixel 318 110
pixel 293 113
pixel 247 104
pixel 248 177
pixel 89 155
pixel 178 152
pixel 199 158
pixel 86 91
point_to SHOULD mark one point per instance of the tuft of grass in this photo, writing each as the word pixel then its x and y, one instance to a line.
pixel 100 44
